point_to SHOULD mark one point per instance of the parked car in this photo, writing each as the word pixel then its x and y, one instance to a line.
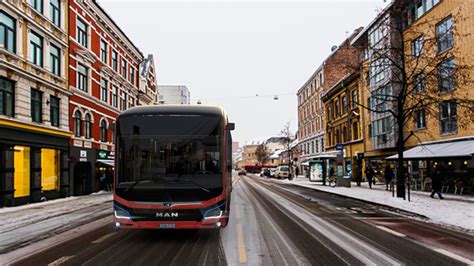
pixel 272 172
pixel 242 172
pixel 283 171
pixel 265 172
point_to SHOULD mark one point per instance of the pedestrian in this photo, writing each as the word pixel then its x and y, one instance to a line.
pixel 331 172
pixel 436 184
pixel 388 177
pixel 369 173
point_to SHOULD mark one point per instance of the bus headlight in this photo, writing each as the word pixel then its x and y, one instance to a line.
pixel 215 212
pixel 121 213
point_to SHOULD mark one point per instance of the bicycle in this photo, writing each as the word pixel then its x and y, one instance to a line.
pixel 332 181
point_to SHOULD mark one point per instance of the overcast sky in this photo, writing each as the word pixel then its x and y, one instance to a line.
pixel 227 52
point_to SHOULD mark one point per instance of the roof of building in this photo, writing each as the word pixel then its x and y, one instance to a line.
pixel 117 26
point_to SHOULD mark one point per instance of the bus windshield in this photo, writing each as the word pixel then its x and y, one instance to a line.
pixel 169 158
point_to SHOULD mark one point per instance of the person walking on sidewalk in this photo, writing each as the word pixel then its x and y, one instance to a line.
pixel 369 173
pixel 436 185
pixel 388 177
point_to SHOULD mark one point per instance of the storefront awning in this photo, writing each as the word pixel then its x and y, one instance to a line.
pixel 459 148
pixel 107 162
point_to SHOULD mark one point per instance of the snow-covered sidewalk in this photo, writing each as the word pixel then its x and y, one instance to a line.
pixel 22 225
pixel 453 210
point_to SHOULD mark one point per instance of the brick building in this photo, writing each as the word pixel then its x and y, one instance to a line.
pixel 103 81
pixel 34 129
pixel 342 61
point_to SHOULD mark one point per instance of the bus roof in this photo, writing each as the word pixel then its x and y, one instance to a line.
pixel 197 109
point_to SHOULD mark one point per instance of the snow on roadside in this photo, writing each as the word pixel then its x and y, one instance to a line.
pixel 455 211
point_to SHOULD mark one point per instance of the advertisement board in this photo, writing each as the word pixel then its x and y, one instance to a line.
pixel 316 171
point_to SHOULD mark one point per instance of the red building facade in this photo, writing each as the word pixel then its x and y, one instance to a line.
pixel 104 80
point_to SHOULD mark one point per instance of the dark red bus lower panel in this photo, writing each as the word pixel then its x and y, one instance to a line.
pixel 205 224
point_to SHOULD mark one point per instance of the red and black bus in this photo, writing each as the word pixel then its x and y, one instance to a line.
pixel 172 167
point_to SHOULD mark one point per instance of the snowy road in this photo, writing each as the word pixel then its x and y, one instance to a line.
pixel 276 224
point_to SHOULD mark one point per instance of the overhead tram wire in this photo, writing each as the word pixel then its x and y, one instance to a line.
pixel 276 97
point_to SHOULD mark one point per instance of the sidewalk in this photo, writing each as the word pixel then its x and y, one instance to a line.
pixel 453 210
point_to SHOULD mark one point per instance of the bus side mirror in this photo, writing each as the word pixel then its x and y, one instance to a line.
pixel 230 126
pixel 112 126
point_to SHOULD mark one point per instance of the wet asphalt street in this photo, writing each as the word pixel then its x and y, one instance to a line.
pixel 275 224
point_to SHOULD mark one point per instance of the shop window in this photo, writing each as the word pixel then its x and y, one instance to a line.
pixel 21 174
pixel 50 169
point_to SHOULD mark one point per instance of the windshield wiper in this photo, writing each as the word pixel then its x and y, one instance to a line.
pixel 197 184
pixel 136 183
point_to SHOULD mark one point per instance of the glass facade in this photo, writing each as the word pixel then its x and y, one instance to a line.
pixel 50 169
pixel 21 159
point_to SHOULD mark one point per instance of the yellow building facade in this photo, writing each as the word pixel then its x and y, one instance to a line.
pixel 343 123
pixel 34 94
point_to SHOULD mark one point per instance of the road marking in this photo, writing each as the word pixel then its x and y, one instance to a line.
pixel 454 256
pixel 60 261
pixel 390 231
pixel 242 251
pixel 102 238
pixel 237 213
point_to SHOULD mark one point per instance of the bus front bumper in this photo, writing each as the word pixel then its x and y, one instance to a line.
pixel 213 223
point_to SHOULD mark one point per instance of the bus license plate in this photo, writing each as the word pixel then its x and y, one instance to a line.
pixel 167 226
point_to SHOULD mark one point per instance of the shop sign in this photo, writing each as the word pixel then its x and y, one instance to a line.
pixel 105 155
pixel 87 144
pixel 83 154
pixel 77 143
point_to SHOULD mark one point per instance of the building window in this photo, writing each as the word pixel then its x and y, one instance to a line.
pixel 354 99
pixel 114 60
pixel 54 53
pixel 369 129
pixel 417 47
pixel 103 51
pixel 132 75
pixel 54 111
pixel 36 105
pixel 87 126
pixel 448 118
pixel 37 4
pixel 124 101
pixel 77 124
pixel 131 102
pixel 103 89
pixel 6 96
pixel 7 32
pixel 444 34
pixel 344 104
pixel 419 83
pixel 103 130
pixel 336 107
pixel 81 31
pixel 355 130
pixel 446 71
pixel 82 80
pixel 36 49
pixel 420 119
pixel 114 96
pixel 55 12
pixel 124 69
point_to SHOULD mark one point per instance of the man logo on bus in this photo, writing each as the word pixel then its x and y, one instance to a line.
pixel 166 214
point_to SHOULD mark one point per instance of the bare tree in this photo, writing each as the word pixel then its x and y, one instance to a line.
pixel 425 73
pixel 262 153
pixel 288 137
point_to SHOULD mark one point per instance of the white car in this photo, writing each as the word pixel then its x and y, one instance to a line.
pixel 282 171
